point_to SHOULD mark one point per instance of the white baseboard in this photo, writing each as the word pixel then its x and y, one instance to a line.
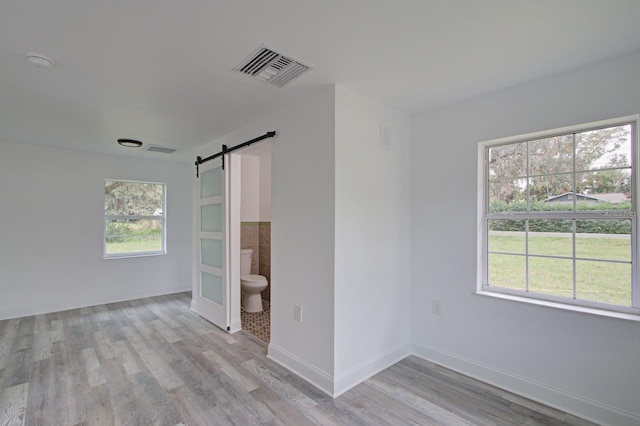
pixel 368 368
pixel 65 304
pixel 298 366
pixel 336 386
pixel 568 402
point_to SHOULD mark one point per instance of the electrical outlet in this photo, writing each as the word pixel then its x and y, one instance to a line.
pixel 297 313
pixel 436 307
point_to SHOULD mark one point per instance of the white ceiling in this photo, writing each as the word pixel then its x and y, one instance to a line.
pixel 160 70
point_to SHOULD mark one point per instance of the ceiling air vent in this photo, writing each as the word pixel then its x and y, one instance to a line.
pixel 271 67
pixel 162 149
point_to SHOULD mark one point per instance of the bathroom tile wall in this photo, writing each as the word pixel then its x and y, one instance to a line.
pixel 250 239
pixel 264 255
pixel 257 236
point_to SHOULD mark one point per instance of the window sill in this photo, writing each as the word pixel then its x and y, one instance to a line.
pixel 563 306
pixel 129 255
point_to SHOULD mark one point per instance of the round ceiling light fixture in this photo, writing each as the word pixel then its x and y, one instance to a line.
pixel 130 143
pixel 40 60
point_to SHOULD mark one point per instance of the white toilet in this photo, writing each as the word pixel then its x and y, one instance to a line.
pixel 250 285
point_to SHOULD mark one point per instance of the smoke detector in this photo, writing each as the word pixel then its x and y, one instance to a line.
pixel 271 67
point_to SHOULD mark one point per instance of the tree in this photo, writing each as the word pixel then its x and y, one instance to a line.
pixel 132 198
pixel 601 161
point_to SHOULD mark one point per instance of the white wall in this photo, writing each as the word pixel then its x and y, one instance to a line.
pixel 256 182
pixel 52 230
pixel 264 154
pixel 581 363
pixel 340 236
pixel 250 189
pixel 372 243
pixel 302 224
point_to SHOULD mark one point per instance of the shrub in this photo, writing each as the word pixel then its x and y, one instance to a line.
pixel 118 232
pixel 590 226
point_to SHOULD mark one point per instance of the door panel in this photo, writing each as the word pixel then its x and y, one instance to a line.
pixel 211 294
pixel 211 252
pixel 211 287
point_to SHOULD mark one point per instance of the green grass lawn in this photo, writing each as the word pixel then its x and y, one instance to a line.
pixel 596 281
pixel 134 243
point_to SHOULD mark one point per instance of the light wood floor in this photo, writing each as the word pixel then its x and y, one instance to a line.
pixel 153 361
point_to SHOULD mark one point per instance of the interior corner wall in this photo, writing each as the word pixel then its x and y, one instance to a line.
pixel 580 363
pixel 372 238
pixel 302 224
pixel 52 231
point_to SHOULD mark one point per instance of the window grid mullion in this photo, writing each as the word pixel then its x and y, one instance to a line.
pixel 603 169
pixel 573 215
pixel 635 279
pixel 549 256
pixel 573 222
pixel 526 223
pixel 486 185
pixel 635 286
pixel 528 164
pixel 132 217
pixel 586 214
pixel 573 256
pixel 526 253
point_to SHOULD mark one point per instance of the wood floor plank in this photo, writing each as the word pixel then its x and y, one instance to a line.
pixel 247 383
pixel 279 386
pixel 165 331
pixel 200 327
pixel 70 384
pixel 17 369
pixel 57 330
pixel 104 348
pixel 152 395
pixel 130 363
pixel 438 414
pixel 155 362
pixel 13 405
pixel 42 345
pixel 92 367
pixel 286 414
pixel 25 332
pixel 211 390
pixel 162 312
pixel 370 408
pixel 42 393
pixel 99 407
pixel 40 325
pixel 125 397
pixel 102 313
pixel 185 401
pixel 433 389
pixel 7 338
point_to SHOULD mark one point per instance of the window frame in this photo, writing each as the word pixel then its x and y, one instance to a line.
pixel 162 218
pixel 483 217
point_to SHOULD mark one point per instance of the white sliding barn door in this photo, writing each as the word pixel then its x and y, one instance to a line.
pixel 211 295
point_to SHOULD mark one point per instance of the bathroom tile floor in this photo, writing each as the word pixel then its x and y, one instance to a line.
pixel 258 323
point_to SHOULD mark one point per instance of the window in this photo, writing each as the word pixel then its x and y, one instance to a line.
pixel 557 217
pixel 134 218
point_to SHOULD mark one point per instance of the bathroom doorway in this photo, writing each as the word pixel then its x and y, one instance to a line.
pixel 255 232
